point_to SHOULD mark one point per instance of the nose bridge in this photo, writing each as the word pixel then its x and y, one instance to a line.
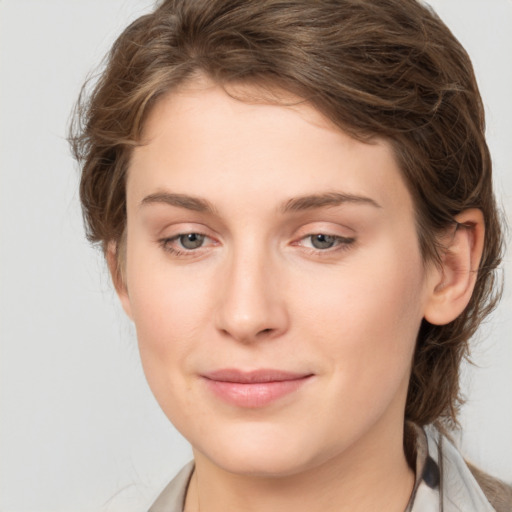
pixel 251 305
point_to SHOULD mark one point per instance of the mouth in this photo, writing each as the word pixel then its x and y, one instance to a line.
pixel 254 389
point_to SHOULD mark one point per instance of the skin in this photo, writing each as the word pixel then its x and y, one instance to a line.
pixel 257 294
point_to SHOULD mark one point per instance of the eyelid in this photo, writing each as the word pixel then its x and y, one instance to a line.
pixel 326 228
pixel 178 227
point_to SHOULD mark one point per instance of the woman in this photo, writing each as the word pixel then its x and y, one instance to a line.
pixel 296 205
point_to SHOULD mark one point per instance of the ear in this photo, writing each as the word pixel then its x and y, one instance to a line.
pixel 118 276
pixel 451 285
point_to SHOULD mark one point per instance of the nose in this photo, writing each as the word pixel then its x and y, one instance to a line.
pixel 251 303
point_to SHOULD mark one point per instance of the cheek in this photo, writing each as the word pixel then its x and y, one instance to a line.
pixel 169 320
pixel 170 309
pixel 367 316
pixel 164 297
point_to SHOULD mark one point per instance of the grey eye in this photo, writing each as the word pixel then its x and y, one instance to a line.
pixel 191 240
pixel 321 241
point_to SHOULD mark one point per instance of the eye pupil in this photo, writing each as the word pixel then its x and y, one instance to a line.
pixel 321 241
pixel 191 240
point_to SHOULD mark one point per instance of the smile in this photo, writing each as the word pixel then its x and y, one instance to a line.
pixel 253 389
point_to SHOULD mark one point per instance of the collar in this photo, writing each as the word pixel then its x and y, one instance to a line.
pixel 444 482
pixel 172 498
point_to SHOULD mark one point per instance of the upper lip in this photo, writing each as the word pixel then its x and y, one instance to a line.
pixel 254 376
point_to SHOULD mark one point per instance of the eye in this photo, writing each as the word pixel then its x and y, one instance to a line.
pixel 191 241
pixel 186 244
pixel 322 241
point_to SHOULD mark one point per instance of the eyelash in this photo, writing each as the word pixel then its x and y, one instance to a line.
pixel 341 243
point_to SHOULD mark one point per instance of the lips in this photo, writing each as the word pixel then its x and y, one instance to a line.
pixel 256 388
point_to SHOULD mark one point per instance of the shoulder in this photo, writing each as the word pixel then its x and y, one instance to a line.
pixel 497 492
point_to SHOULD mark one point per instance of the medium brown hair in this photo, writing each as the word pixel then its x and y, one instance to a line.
pixel 376 68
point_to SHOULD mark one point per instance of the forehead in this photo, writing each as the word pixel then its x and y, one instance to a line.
pixel 217 143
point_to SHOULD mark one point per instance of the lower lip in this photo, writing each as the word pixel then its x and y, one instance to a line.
pixel 256 394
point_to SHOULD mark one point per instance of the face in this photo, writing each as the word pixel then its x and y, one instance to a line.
pixel 275 281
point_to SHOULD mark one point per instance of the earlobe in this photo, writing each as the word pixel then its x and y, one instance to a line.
pixel 117 275
pixel 452 284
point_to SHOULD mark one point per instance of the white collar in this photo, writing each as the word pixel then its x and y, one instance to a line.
pixel 456 489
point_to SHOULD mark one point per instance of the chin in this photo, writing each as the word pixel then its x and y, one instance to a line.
pixel 259 452
pixel 260 463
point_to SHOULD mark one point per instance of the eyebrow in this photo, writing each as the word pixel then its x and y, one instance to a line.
pixel 313 201
pixel 295 204
pixel 180 200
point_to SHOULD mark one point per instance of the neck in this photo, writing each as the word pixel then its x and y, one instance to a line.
pixel 372 475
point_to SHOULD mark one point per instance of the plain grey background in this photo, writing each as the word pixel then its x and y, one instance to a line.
pixel 79 428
